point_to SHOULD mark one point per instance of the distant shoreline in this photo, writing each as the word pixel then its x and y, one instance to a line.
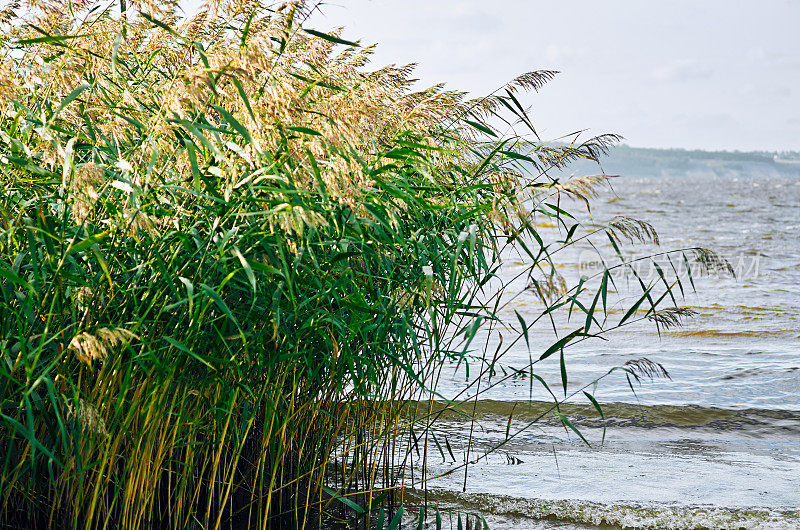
pixel 781 153
pixel 743 156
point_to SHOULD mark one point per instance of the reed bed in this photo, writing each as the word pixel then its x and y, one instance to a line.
pixel 232 255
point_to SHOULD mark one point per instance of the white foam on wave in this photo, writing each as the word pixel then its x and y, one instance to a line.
pixel 652 516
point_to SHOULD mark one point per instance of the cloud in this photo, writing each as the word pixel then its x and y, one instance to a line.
pixel 759 56
pixel 710 121
pixel 459 18
pixel 756 55
pixel 682 70
pixel 477 22
pixel 559 55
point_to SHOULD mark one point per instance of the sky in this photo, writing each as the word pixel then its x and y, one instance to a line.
pixel 712 74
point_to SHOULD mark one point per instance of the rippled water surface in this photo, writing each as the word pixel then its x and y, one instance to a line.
pixel 718 445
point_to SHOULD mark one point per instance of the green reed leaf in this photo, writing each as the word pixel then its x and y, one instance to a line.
pixel 394 524
pixel 559 344
pixel 344 500
pixel 330 38
pixel 304 130
pixel 565 421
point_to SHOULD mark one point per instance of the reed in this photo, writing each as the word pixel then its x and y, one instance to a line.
pixel 234 260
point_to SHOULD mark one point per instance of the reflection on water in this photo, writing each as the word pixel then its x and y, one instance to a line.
pixel 718 445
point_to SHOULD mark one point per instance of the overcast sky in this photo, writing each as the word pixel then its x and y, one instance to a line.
pixel 706 74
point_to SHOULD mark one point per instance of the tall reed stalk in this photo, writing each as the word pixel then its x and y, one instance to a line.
pixel 234 261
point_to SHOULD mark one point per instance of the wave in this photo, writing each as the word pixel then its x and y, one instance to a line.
pixel 755 422
pixel 730 334
pixel 625 515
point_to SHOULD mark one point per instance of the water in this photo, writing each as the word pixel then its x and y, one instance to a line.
pixel 718 445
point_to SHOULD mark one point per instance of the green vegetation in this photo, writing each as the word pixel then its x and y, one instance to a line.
pixel 230 253
pixel 624 160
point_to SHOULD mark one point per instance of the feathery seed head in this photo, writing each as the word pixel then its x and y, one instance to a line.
pixel 88 417
pixel 84 188
pixel 87 347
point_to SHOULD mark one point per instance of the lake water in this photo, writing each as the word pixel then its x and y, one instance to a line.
pixel 715 446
